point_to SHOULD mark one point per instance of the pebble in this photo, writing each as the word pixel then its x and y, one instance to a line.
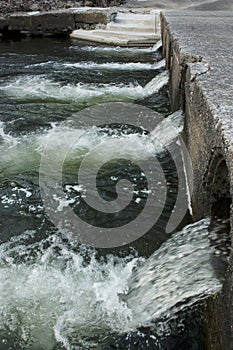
pixel 48 5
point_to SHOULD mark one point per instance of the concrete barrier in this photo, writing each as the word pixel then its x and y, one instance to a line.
pixel 198 48
pixel 47 22
pixel 54 22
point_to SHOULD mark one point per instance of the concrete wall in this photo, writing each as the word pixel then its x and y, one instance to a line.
pixel 53 22
pixel 199 56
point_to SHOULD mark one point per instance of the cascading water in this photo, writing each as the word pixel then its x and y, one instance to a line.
pixel 56 293
pixel 50 294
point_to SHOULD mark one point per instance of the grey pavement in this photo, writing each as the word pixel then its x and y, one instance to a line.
pixel 196 5
pixel 209 35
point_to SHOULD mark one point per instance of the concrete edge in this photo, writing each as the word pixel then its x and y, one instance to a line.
pixel 210 148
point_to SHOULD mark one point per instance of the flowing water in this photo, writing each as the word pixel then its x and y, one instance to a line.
pixel 56 293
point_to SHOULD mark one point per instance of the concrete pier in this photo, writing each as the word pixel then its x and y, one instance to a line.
pixel 198 47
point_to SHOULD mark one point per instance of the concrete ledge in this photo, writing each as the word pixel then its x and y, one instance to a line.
pixel 127 29
pixel 198 48
pixel 53 22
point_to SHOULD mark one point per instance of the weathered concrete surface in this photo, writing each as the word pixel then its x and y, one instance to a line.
pixel 198 47
pixel 47 22
pixel 93 16
pixel 127 29
pixel 55 22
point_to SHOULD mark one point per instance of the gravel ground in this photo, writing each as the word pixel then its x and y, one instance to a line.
pixel 8 6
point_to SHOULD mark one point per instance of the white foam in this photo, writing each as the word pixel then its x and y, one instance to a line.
pixel 34 13
pixel 156 84
pixel 24 153
pixel 48 293
pixel 39 87
pixel 179 273
pixel 7 138
pixel 24 190
pixel 32 87
pixel 157 46
pixel 84 141
pixel 169 128
pixel 114 49
pixel 55 297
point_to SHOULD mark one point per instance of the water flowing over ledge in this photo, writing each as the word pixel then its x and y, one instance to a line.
pixel 57 293
pixel 48 291
pixel 40 88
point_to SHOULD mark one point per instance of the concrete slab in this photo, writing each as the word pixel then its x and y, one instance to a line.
pixel 209 37
pixel 114 38
pixel 198 48
pixel 126 29
pixel 56 22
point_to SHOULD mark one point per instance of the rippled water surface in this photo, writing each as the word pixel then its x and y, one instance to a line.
pixel 56 293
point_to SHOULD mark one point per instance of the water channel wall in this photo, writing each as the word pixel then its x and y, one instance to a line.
pixel 198 48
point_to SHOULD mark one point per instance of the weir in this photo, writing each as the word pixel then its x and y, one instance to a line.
pixel 128 301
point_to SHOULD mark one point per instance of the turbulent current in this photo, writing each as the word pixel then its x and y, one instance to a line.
pixel 57 293
pixel 50 294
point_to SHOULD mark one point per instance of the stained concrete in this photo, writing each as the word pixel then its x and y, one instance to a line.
pixel 198 47
pixel 126 29
pixel 182 5
pixel 55 22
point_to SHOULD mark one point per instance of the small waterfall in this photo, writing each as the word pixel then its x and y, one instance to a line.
pixel 117 66
pixel 169 128
pixel 6 138
pixel 52 288
pixel 117 49
pixel 179 273
pixel 40 88
pixel 90 65
pixel 156 84
pixel 157 46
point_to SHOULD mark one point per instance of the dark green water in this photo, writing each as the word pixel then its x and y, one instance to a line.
pixel 54 292
pixel 43 83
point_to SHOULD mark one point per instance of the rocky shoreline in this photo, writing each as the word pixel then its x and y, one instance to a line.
pixel 44 18
pixel 13 6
